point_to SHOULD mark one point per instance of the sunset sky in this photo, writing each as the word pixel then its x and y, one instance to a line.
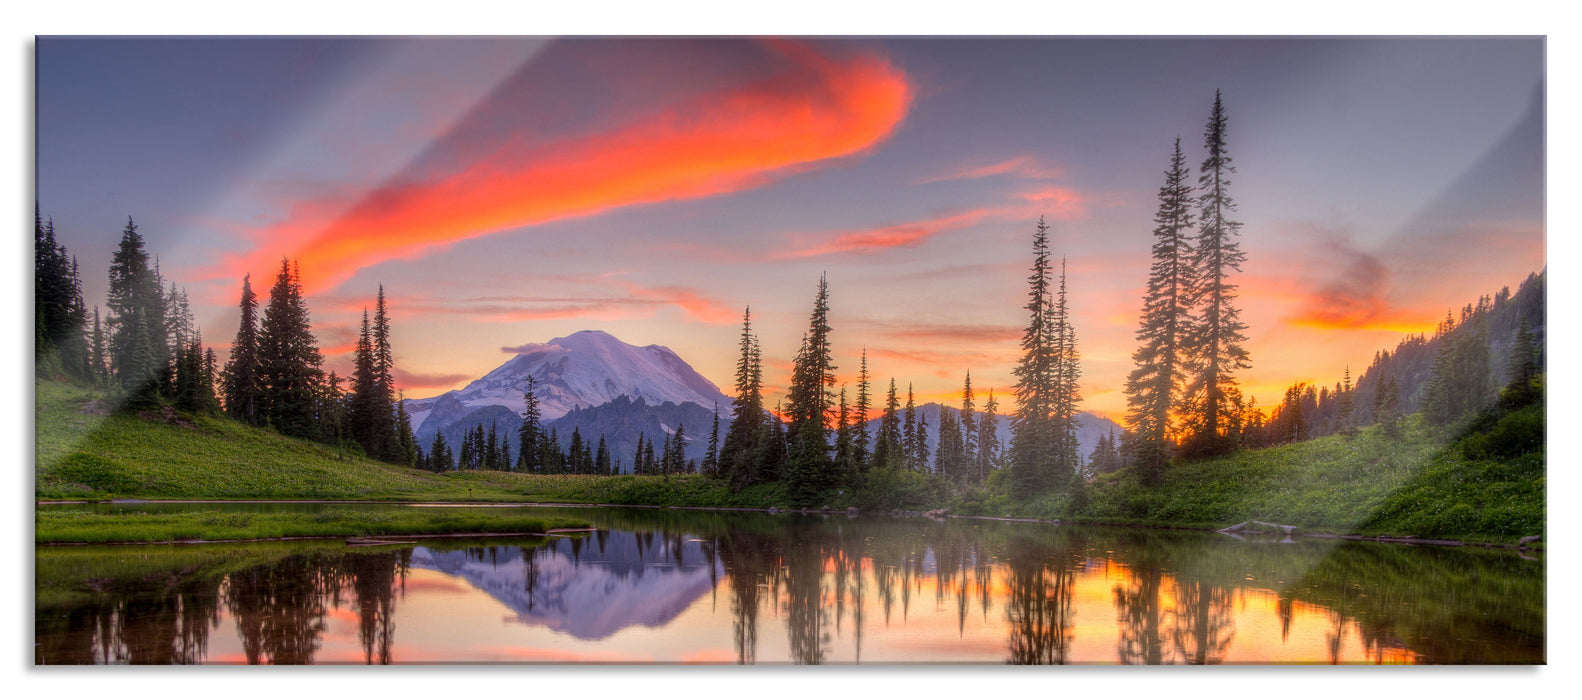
pixel 509 191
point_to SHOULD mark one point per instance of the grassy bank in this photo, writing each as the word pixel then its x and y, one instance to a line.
pixel 83 454
pixel 62 526
pixel 1483 483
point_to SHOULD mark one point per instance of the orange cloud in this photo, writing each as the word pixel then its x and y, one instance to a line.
pixel 416 380
pixel 816 108
pixel 696 305
pixel 639 302
pixel 1356 298
pixel 951 333
pixel 1023 166
pixel 905 235
pixel 1060 203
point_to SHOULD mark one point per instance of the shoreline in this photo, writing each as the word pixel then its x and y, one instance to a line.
pixel 1381 539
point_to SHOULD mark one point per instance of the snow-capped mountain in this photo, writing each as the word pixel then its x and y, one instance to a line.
pixel 583 370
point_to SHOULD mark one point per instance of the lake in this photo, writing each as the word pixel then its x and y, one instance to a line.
pixel 677 586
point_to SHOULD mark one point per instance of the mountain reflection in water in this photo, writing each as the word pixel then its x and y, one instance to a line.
pixel 588 590
pixel 672 586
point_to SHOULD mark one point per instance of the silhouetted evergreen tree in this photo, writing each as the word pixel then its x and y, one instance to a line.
pixel 440 458
pixel 288 358
pixel 1521 368
pixel 1347 418
pixel 530 437
pixel 742 455
pixel 1217 337
pixel 711 459
pixel 98 359
pixel 242 385
pixel 1156 387
pixel 969 430
pixel 59 314
pixel 909 449
pixel 1387 406
pixel 988 440
pixel 809 401
pixel 1065 395
pixel 860 455
pixel 137 319
pixel 1032 433
pixel 887 450
pixel 601 460
pixel 949 458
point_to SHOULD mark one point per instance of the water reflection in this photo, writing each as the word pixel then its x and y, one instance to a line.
pixel 648 587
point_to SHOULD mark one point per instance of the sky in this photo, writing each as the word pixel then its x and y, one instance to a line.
pixel 510 191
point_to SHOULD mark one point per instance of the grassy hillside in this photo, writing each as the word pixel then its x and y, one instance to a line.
pixel 1486 484
pixel 155 454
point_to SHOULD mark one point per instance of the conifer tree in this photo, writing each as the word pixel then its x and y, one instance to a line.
pixel 1521 368
pixel 887 452
pixel 242 385
pixel 530 456
pixel 809 401
pixel 1032 433
pixel 1156 387
pixel 909 433
pixel 440 457
pixel 411 453
pixel 920 450
pixel 98 362
pixel 859 439
pixel 969 428
pixel 388 433
pixel 949 459
pixel 1217 335
pixel 988 440
pixel 59 314
pixel 1387 406
pixel 1347 412
pixel 288 357
pixel 574 455
pixel 637 459
pixel 363 409
pixel 711 458
pixel 741 456
pixel 1065 394
pixel 601 460
pixel 649 463
pixel 136 319
pixel 677 451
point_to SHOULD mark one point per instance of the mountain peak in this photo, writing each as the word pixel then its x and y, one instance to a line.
pixel 587 368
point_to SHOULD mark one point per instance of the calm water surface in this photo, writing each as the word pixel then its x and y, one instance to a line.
pixel 659 586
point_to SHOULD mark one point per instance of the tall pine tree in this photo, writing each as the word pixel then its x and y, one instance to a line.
pixel 288 358
pixel 810 398
pixel 1032 432
pixel 1217 336
pixel 241 384
pixel 1154 390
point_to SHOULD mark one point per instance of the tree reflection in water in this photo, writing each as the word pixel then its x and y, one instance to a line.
pixel 1172 594
pixel 1038 602
pixel 1138 614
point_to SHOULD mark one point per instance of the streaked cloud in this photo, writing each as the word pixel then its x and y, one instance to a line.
pixel 815 107
pixel 1027 167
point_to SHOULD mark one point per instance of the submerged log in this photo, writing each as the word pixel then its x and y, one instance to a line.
pixel 1243 527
